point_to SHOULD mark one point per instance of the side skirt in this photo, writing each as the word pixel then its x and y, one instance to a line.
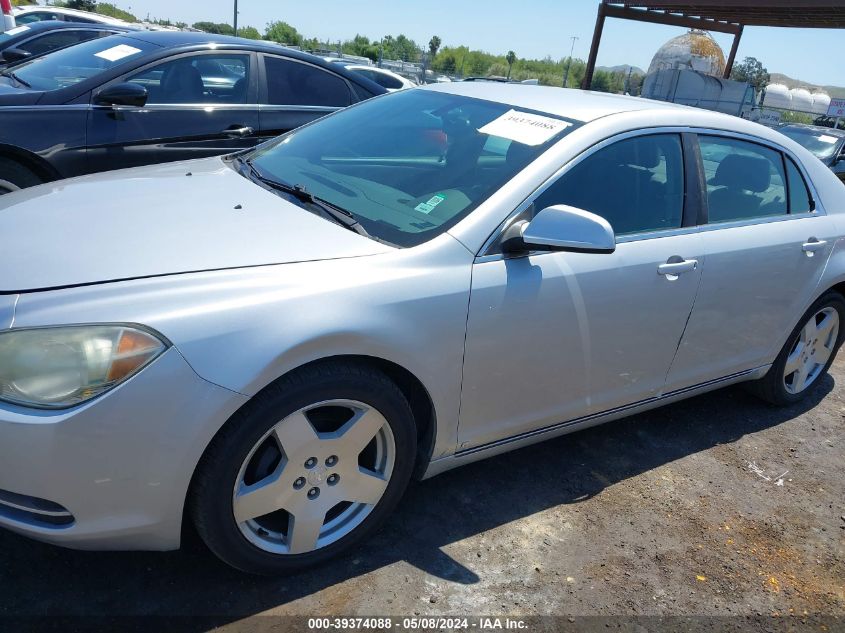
pixel 477 453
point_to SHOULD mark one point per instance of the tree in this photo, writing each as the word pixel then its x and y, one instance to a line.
pixel 434 46
pixel 106 8
pixel 751 71
pixel 283 33
pixel 249 32
pixel 510 58
pixel 217 28
pixel 82 5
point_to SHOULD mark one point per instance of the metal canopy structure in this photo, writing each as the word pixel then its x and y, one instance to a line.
pixel 724 16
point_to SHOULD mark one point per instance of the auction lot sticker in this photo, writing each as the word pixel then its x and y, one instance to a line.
pixel 116 53
pixel 525 128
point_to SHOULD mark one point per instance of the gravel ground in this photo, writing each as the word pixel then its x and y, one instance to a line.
pixel 677 512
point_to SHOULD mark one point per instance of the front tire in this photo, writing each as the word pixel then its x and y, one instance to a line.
pixel 807 355
pixel 14 176
pixel 307 469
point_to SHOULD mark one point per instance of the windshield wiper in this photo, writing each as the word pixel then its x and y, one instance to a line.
pixel 337 214
pixel 11 73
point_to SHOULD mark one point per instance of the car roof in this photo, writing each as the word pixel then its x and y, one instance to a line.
pixel 53 25
pixel 817 128
pixel 579 105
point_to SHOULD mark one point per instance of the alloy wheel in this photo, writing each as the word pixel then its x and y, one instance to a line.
pixel 314 477
pixel 815 345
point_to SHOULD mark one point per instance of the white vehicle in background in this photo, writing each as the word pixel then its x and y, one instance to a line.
pixel 36 13
pixel 383 77
pixel 7 20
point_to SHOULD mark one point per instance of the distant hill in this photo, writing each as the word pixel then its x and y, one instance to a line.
pixel 789 82
pixel 622 68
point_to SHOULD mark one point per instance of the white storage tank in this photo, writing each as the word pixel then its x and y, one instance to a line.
pixel 802 100
pixel 778 96
pixel 821 102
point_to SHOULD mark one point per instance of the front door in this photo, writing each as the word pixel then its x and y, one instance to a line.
pixel 199 105
pixel 553 337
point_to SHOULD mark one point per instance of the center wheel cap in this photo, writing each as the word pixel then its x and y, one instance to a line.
pixel 317 476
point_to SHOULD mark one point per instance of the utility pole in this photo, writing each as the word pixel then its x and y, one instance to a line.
pixel 571 50
pixel 235 21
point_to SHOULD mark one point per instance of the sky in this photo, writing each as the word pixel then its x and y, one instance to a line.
pixel 531 28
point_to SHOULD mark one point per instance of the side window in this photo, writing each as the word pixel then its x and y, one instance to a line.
pixel 637 184
pixel 56 40
pixel 744 180
pixel 296 83
pixel 197 79
pixel 385 81
pixel 799 196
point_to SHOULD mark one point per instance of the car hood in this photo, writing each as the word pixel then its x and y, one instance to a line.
pixel 11 95
pixel 166 219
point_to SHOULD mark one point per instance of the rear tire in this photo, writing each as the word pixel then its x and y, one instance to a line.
pixel 304 471
pixel 14 176
pixel 807 355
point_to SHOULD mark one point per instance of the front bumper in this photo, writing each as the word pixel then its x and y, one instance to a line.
pixel 119 465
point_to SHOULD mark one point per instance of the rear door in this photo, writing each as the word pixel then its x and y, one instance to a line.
pixel 200 104
pixel 294 92
pixel 765 245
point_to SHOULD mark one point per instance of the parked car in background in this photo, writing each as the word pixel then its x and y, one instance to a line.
pixel 389 80
pixel 150 97
pixel 269 344
pixel 38 38
pixel 36 13
pixel 827 144
pixel 829 121
pixel 7 18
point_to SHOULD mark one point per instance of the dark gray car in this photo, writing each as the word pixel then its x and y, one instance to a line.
pixel 149 97
pixel 827 144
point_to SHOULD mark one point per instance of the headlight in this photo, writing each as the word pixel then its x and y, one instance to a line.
pixel 63 366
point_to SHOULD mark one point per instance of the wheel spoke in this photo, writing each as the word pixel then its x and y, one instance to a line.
pixel 361 429
pixel 826 326
pixel 793 361
pixel 263 497
pixel 305 528
pixel 822 354
pixel 800 377
pixel 365 487
pixel 295 434
pixel 808 332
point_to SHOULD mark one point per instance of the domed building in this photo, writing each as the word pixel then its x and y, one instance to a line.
pixel 694 50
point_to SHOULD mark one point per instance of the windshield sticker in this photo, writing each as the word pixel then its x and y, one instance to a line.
pixel 824 138
pixel 17 30
pixel 116 53
pixel 525 128
pixel 428 207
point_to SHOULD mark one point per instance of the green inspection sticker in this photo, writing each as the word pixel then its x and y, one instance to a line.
pixel 428 207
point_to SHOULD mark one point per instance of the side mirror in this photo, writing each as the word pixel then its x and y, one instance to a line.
pixel 561 228
pixel 14 55
pixel 125 94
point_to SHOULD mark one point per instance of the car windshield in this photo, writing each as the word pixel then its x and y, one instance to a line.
pixel 72 65
pixel 819 143
pixel 410 165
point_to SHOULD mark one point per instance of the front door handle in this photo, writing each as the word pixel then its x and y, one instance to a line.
pixel 238 132
pixel 812 245
pixel 676 266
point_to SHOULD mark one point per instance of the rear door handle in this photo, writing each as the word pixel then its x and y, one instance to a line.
pixel 676 266
pixel 812 245
pixel 238 132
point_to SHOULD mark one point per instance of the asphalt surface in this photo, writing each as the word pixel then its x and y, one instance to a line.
pixel 716 506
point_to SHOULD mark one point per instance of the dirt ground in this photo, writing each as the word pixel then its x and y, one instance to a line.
pixel 717 506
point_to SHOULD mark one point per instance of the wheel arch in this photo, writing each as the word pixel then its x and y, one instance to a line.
pixel 419 399
pixel 33 162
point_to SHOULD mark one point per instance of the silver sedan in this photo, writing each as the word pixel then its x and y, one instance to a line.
pixel 272 344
